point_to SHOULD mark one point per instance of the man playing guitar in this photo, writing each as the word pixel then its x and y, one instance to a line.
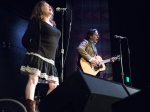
pixel 88 54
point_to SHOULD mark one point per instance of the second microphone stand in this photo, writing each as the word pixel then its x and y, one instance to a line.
pixel 62 49
pixel 122 73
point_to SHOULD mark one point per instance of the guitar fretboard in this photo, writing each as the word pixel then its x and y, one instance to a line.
pixel 105 61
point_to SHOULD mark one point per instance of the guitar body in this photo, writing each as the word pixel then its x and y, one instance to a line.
pixel 86 66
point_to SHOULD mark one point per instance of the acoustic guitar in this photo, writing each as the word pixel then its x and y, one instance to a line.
pixel 89 69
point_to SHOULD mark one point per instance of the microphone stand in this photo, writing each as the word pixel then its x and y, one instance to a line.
pixel 122 73
pixel 121 62
pixel 62 49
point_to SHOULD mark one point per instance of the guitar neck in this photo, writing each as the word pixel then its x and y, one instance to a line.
pixel 105 61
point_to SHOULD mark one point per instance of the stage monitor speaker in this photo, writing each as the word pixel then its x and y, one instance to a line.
pixel 82 92
pixel 138 102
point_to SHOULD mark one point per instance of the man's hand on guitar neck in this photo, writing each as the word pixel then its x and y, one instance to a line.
pixel 113 59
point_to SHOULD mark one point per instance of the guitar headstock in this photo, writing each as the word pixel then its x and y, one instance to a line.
pixel 117 57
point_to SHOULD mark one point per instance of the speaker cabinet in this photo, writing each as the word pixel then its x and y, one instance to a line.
pixel 82 92
pixel 138 102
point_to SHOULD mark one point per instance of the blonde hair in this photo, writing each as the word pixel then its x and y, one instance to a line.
pixel 38 13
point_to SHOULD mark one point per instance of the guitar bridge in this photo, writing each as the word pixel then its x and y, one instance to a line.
pixel 96 68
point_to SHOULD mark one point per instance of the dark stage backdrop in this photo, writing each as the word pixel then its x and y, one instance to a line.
pixel 125 18
pixel 90 14
pixel 131 20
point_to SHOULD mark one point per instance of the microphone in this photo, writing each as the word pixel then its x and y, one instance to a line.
pixel 61 9
pixel 116 36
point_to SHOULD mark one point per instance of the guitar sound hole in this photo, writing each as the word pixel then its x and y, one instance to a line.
pixel 98 67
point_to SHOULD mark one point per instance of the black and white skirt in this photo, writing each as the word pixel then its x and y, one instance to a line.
pixel 34 63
